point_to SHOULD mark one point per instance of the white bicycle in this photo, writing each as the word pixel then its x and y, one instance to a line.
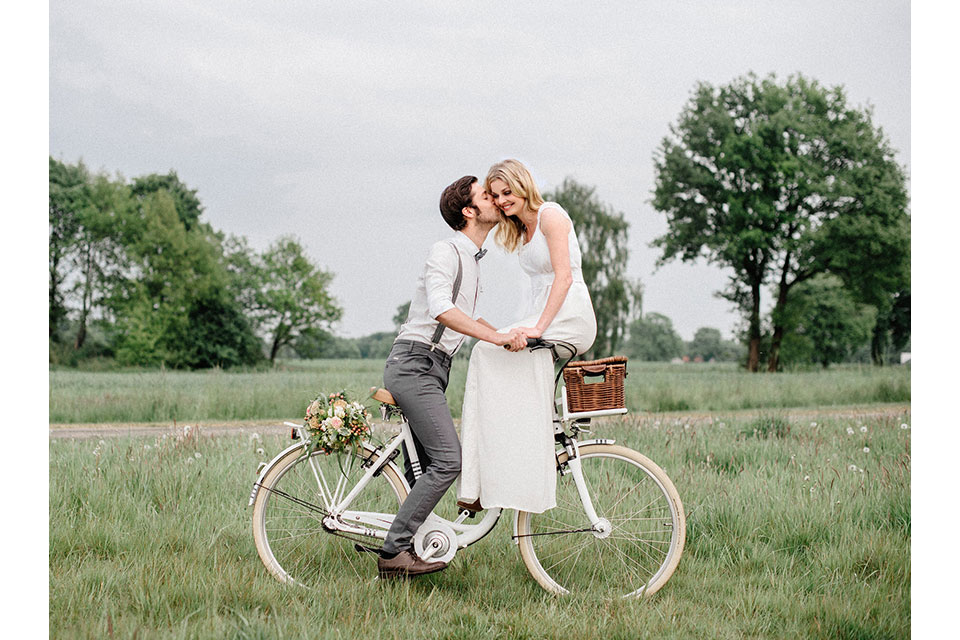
pixel 618 528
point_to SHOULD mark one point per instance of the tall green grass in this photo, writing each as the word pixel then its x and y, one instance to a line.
pixel 164 396
pixel 795 529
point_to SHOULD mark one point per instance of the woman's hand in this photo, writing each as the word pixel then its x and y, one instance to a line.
pixel 530 332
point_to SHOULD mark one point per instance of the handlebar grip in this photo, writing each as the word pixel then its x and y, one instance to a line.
pixel 534 342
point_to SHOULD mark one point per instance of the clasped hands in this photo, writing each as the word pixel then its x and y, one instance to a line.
pixel 516 339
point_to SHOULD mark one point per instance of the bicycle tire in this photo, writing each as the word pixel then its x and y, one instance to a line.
pixel 645 543
pixel 289 536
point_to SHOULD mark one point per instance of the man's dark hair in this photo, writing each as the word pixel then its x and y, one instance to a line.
pixel 454 198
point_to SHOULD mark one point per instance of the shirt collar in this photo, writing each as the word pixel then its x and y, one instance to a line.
pixel 465 243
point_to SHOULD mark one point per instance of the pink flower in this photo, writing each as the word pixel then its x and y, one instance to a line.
pixel 335 422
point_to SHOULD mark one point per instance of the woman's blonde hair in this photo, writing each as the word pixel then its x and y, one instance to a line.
pixel 518 178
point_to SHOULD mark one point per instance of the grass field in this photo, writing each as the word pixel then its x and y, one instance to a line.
pixel 796 529
pixel 165 396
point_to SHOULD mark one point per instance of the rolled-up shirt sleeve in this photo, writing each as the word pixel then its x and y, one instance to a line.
pixel 438 276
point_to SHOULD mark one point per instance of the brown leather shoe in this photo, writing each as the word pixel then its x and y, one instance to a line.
pixel 474 506
pixel 406 563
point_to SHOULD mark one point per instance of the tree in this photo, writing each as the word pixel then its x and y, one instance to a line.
pixel 602 234
pixel 780 183
pixel 825 323
pixel 400 316
pixel 185 199
pixel 707 344
pixel 179 309
pixel 292 294
pixel 653 338
pixel 99 256
pixel 69 197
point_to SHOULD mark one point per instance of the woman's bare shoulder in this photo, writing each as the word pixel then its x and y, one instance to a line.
pixel 553 219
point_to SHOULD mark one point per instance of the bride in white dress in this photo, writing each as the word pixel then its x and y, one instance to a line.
pixel 506 428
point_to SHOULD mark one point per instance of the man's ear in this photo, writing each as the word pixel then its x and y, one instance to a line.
pixel 469 213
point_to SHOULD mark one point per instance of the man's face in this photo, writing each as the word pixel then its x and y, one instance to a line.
pixel 487 211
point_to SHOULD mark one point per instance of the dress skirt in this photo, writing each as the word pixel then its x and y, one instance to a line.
pixel 506 427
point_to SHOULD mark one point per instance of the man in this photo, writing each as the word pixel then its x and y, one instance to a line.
pixel 418 367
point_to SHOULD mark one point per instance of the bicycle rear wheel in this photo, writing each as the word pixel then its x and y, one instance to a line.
pixel 646 534
pixel 289 509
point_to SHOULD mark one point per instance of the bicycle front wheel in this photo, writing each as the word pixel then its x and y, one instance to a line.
pixel 639 550
pixel 291 504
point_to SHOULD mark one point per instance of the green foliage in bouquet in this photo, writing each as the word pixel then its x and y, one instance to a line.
pixel 336 424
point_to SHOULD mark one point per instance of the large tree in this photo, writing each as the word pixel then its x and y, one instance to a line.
pixel 180 309
pixel 602 233
pixel 779 182
pixel 292 294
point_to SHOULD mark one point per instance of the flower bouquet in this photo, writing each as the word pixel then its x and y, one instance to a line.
pixel 336 424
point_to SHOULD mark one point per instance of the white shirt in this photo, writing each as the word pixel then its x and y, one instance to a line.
pixel 435 292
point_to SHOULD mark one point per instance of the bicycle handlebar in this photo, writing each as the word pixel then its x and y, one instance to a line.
pixel 535 342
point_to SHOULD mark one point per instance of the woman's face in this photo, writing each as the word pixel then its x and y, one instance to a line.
pixel 505 199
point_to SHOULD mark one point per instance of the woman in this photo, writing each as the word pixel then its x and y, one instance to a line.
pixel 506 428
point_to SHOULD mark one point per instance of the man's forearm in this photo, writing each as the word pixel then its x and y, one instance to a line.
pixel 462 323
pixel 486 324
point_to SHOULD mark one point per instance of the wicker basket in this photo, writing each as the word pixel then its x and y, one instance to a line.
pixel 599 395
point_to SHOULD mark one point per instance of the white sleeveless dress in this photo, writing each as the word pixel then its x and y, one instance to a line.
pixel 506 427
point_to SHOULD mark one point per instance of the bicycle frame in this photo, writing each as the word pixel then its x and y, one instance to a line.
pixel 336 503
pixel 371 524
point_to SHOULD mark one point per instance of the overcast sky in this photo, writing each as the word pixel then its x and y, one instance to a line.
pixel 342 122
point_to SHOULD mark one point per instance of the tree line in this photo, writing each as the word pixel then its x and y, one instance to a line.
pixel 138 277
pixel 795 193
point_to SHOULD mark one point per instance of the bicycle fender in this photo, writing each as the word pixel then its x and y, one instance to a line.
pixel 266 468
pixel 596 441
pixel 516 514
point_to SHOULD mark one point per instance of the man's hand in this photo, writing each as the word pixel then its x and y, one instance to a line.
pixel 514 341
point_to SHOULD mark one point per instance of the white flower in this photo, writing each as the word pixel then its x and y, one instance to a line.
pixel 260 451
pixel 805 478
pixel 187 429
pixel 852 467
pixel 189 460
pixel 813 424
pixel 866 449
pixel 863 429
pixel 101 442
pixel 850 431
pixel 146 447
pixel 254 436
pixel 904 426
pixel 197 455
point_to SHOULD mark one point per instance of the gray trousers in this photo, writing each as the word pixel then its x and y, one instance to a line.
pixel 417 378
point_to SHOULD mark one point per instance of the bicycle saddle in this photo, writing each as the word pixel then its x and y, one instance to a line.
pixel 382 395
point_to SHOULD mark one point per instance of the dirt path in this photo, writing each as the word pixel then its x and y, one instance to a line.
pixel 219 427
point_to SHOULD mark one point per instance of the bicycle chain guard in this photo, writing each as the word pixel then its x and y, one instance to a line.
pixel 435 542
